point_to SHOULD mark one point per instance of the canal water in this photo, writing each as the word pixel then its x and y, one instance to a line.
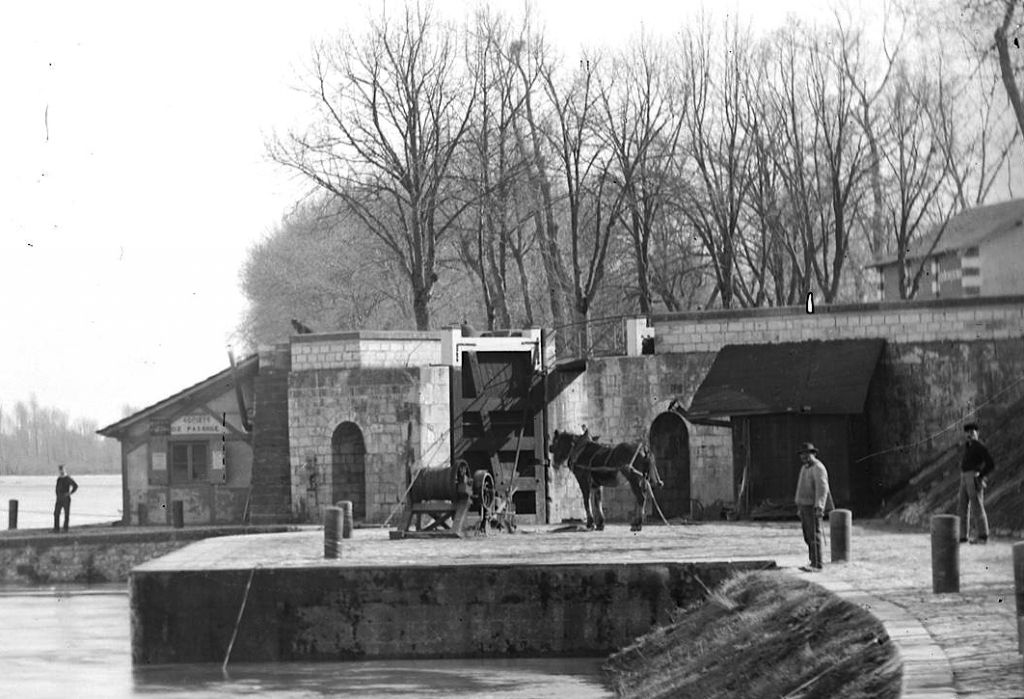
pixel 98 500
pixel 74 642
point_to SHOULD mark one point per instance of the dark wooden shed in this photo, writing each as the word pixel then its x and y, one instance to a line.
pixel 777 396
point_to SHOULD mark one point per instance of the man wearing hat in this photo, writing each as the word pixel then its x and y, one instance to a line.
pixel 975 465
pixel 812 493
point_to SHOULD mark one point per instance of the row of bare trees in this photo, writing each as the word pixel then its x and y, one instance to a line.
pixel 714 168
pixel 35 438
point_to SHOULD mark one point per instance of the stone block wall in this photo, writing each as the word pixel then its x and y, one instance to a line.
pixel 945 361
pixel 271 476
pixel 955 320
pixel 618 398
pixel 401 413
pixel 365 349
pixel 331 613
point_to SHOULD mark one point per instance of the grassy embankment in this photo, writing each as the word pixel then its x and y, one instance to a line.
pixel 763 634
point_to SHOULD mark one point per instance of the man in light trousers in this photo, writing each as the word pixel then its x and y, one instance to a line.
pixel 812 493
pixel 975 466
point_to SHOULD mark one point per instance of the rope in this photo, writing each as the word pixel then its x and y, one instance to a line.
pixel 945 429
pixel 234 634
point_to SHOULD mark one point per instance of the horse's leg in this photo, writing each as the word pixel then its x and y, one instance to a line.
pixel 585 489
pixel 636 482
pixel 598 507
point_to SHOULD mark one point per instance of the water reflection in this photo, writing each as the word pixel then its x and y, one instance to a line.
pixel 74 642
pixel 508 679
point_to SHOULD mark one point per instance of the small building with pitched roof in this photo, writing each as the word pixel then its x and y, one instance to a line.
pixel 979 252
pixel 195 447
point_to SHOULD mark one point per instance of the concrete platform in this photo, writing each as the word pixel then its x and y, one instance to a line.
pixel 952 645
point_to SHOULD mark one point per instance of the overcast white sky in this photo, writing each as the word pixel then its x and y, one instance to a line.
pixel 133 176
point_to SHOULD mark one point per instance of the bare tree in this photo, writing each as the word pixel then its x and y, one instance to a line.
pixel 642 104
pixel 719 150
pixel 319 267
pixel 532 58
pixel 916 167
pixel 492 237
pixel 393 111
pixel 1009 66
pixel 592 201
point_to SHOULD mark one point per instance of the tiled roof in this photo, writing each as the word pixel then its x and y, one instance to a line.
pixel 966 230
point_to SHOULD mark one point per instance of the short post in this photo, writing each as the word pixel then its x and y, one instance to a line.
pixel 333 530
pixel 347 524
pixel 143 513
pixel 12 514
pixel 840 529
pixel 945 554
pixel 1018 587
pixel 178 513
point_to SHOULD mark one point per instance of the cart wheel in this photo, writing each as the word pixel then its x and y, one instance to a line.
pixel 483 490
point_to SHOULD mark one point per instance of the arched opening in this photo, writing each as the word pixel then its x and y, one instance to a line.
pixel 670 445
pixel 348 468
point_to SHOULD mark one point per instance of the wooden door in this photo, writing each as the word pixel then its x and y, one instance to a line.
pixel 670 446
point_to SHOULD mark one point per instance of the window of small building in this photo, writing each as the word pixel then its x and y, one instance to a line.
pixel 189 461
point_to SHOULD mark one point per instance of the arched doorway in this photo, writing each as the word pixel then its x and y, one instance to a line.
pixel 348 468
pixel 670 445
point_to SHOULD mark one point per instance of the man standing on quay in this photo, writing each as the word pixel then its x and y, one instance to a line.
pixel 811 495
pixel 975 466
pixel 66 486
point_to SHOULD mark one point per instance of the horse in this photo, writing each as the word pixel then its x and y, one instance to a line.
pixel 596 465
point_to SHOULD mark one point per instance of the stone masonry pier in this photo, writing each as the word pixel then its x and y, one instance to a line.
pixel 525 595
pixel 951 645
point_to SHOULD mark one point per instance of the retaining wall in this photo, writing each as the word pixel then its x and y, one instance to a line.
pixel 945 361
pixel 446 611
pixel 96 557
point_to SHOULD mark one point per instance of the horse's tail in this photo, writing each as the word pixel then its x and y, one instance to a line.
pixel 653 476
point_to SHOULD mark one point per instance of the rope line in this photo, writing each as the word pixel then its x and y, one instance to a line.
pixel 241 609
pixel 945 429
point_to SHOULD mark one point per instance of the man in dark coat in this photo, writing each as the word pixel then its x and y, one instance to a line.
pixel 975 465
pixel 66 486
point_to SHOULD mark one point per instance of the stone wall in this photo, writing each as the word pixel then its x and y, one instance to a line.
pixel 364 349
pixel 618 398
pixel 416 611
pixel 945 361
pixel 97 557
pixel 271 476
pixel 401 413
pixel 959 320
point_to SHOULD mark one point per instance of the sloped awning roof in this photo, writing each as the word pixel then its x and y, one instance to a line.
pixel 220 382
pixel 815 377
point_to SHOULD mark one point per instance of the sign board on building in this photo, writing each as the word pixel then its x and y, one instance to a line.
pixel 197 424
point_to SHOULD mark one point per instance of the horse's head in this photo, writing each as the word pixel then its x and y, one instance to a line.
pixel 563 444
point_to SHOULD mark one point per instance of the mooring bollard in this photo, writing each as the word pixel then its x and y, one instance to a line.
pixel 1018 587
pixel 178 513
pixel 12 514
pixel 347 524
pixel 333 531
pixel 945 554
pixel 840 529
